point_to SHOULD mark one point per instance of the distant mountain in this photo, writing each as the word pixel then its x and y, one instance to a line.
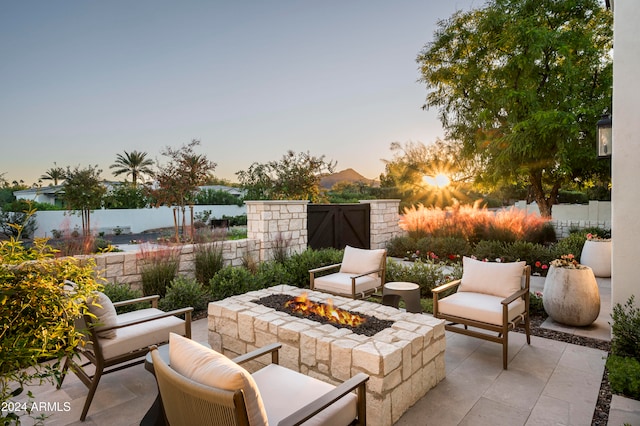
pixel 348 175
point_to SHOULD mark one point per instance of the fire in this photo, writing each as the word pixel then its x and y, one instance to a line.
pixel 302 304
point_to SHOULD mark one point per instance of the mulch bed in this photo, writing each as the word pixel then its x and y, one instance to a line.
pixel 601 412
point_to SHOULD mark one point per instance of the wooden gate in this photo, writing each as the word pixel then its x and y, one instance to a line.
pixel 338 225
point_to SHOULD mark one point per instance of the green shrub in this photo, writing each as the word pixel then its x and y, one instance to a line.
pixel 570 245
pixel 536 307
pixel 427 275
pixel 231 281
pixel 208 261
pixel 270 274
pixel 158 269
pixel 119 292
pixel 445 249
pixel 490 250
pixel 184 292
pixel 401 246
pixel 299 264
pixel 626 330
pixel 624 375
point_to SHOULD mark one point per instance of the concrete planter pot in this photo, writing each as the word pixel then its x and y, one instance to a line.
pixel 571 296
pixel 597 256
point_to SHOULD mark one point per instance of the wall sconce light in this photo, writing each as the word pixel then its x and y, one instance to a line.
pixel 604 136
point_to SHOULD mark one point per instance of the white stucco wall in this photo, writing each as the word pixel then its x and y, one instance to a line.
pixel 625 211
pixel 136 220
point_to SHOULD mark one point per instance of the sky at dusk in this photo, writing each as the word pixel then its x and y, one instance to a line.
pixel 83 81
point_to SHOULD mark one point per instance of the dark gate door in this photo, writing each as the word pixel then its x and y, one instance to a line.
pixel 338 225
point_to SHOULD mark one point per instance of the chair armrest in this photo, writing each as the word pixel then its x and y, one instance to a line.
pixel 515 295
pixel 366 273
pixel 446 286
pixel 186 311
pixel 324 268
pixel 272 349
pixel 314 407
pixel 138 300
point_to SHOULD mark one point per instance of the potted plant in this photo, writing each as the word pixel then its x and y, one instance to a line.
pixel 571 294
pixel 596 254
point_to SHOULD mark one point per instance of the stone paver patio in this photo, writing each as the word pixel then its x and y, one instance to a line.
pixel 547 383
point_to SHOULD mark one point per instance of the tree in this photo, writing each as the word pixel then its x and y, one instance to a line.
pixel 178 180
pixel 56 174
pixel 83 191
pixel 521 83
pixel 134 164
pixel 294 177
pixel 415 163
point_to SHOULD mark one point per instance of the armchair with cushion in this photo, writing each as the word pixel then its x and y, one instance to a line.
pixel 117 341
pixel 490 296
pixel 200 386
pixel 361 272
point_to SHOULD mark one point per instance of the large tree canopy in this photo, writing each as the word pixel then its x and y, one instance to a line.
pixel 522 83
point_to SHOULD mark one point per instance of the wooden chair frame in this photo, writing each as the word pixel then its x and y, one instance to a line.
pixel 93 353
pixel 235 410
pixel 354 295
pixel 461 325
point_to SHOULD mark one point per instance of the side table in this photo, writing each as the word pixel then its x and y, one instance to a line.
pixel 392 292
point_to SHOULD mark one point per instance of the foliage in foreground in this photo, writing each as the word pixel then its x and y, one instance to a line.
pixel 624 362
pixel 38 313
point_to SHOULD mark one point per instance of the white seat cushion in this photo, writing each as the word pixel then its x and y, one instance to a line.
pixel 285 391
pixel 141 335
pixel 358 261
pixel 494 278
pixel 210 368
pixel 340 283
pixel 480 307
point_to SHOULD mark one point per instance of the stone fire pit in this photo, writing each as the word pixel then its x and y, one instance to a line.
pixel 403 361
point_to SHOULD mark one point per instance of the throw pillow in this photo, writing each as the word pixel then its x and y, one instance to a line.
pixel 105 313
pixel 494 278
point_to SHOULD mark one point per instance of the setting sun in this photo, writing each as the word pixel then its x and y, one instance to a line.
pixel 440 180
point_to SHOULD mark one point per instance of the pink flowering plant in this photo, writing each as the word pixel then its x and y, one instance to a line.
pixel 596 237
pixel 567 261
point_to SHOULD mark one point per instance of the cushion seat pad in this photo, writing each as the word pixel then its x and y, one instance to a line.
pixel 479 307
pixel 284 391
pixel 138 336
pixel 340 283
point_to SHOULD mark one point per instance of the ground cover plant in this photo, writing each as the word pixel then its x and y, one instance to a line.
pixel 624 361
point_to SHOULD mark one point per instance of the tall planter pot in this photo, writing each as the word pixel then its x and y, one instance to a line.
pixel 597 256
pixel 571 296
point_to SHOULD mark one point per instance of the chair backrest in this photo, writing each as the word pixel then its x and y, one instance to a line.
pixel 188 402
pixel 359 261
pixel 494 278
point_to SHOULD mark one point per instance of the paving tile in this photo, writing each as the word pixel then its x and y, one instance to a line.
pixel 624 411
pixel 492 413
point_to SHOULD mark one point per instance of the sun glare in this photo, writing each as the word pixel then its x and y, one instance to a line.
pixel 439 181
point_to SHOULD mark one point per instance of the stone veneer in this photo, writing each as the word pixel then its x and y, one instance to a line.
pixel 384 222
pixel 403 361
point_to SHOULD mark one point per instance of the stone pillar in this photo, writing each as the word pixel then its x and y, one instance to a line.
pixel 277 224
pixel 385 220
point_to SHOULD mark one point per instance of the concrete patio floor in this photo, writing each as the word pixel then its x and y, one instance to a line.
pixel 547 383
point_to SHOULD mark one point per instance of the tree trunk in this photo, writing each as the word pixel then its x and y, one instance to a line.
pixel 545 203
pixel 175 224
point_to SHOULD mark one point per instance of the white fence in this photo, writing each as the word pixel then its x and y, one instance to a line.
pixel 127 220
pixel 575 216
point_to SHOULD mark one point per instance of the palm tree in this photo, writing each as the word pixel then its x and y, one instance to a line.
pixel 135 164
pixel 55 174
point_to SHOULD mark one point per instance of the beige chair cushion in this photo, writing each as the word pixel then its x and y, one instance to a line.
pixel 493 278
pixel 358 261
pixel 340 283
pixel 141 335
pixel 210 368
pixel 479 307
pixel 105 313
pixel 285 391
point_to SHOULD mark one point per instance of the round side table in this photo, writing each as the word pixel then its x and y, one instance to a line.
pixel 392 292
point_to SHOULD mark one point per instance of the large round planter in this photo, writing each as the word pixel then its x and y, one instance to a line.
pixel 571 296
pixel 597 256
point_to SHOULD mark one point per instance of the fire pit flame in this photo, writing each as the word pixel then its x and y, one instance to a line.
pixel 302 304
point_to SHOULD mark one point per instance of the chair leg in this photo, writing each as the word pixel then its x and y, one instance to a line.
pixel 63 373
pixel 92 391
pixel 505 350
pixel 527 329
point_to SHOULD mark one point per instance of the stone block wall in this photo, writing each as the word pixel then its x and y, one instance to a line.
pixel 278 225
pixel 563 227
pixel 385 221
